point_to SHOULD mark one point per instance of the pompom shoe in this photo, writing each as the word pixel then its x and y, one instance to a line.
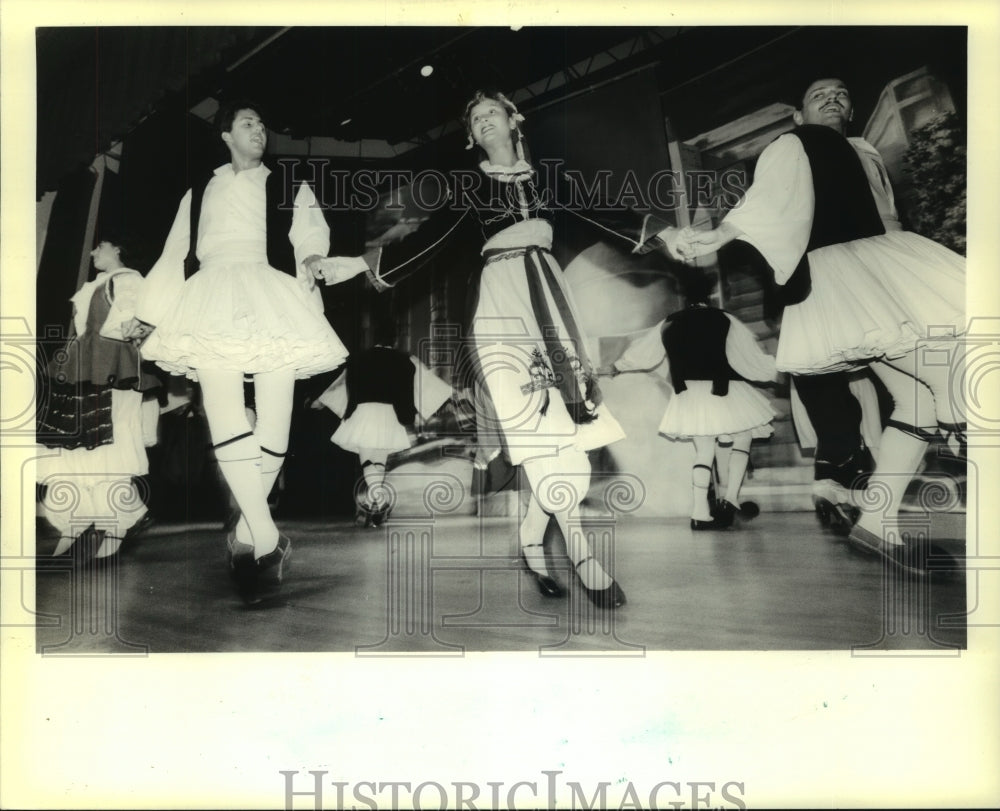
pixel 724 514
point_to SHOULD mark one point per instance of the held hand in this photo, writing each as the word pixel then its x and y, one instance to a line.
pixel 692 243
pixel 670 236
pixel 337 269
pixel 136 329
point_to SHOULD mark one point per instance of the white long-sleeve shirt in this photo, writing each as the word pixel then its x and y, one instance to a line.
pixel 232 229
pixel 776 214
pixel 747 359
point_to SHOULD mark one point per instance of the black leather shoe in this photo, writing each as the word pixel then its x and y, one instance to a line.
pixel 610 597
pixel 244 572
pixel 749 510
pixel 139 527
pixel 234 550
pixel 548 586
pixel 255 579
pixel 379 516
pixel 271 567
pixel 724 514
pixel 838 517
pixel 698 525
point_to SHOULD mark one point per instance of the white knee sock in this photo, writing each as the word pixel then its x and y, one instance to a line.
pixel 899 456
pixel 723 457
pixel 588 568
pixel 239 460
pixel 270 467
pixel 374 473
pixel 738 461
pixel 569 472
pixel 531 533
pixel 700 477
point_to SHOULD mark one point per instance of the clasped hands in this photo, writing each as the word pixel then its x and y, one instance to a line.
pixel 136 330
pixel 687 244
pixel 335 269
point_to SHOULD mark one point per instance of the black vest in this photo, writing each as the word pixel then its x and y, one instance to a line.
pixel 381 375
pixel 844 209
pixel 695 341
pixel 278 219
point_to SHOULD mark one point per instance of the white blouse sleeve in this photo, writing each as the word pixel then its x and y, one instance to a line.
pixel 745 355
pixel 164 282
pixel 123 290
pixel 335 396
pixel 310 234
pixel 644 352
pixel 775 215
pixel 430 392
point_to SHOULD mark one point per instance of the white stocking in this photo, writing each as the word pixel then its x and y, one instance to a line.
pixel 701 475
pixel 238 454
pixel 738 461
pixel 560 483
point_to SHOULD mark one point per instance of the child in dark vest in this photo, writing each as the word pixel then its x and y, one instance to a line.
pixel 712 355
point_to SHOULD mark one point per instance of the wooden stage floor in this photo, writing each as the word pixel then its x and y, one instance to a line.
pixel 449 585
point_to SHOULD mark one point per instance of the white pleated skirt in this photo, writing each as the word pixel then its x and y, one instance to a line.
pixel 372 426
pixel 872 298
pixel 698 412
pixel 509 343
pixel 244 317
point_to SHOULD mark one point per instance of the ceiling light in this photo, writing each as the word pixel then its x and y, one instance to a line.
pixel 426 70
pixel 346 121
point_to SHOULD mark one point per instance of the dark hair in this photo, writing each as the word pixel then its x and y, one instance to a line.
pixel 125 246
pixel 384 331
pixel 697 286
pixel 226 113
pixel 486 95
pixel 797 95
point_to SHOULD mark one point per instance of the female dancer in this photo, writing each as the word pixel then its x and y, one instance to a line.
pixel 94 412
pixel 542 398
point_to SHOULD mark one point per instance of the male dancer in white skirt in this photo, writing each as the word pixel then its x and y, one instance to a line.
pixel 233 295
pixel 860 290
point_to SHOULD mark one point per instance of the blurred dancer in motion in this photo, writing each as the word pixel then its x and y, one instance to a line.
pixel 378 397
pixel 94 414
pixel 711 356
